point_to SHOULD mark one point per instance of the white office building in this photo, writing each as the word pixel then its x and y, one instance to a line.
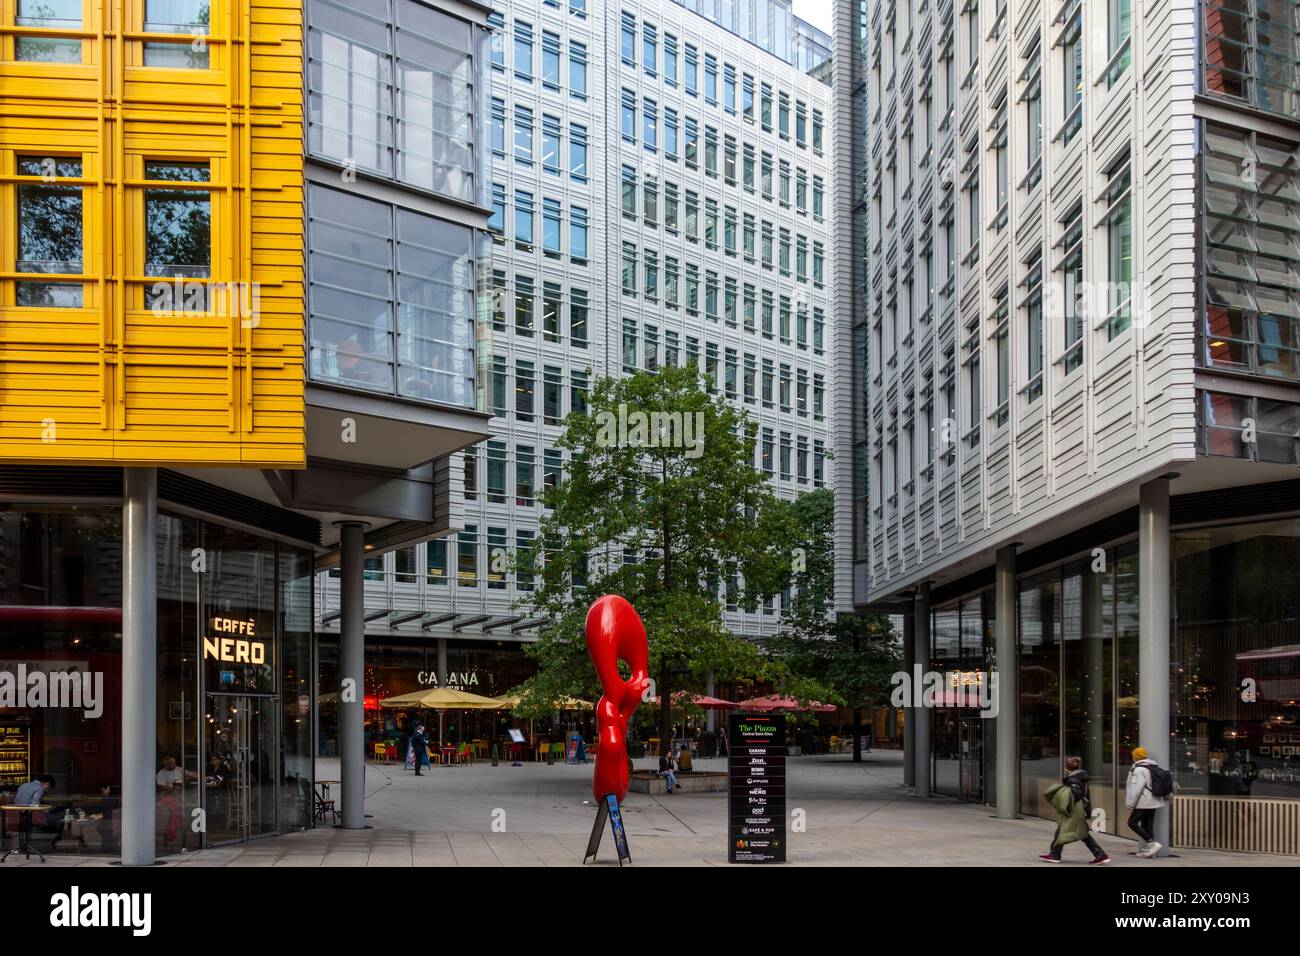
pixel 659 188
pixel 1075 343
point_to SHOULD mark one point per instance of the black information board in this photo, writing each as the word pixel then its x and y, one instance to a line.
pixel 756 771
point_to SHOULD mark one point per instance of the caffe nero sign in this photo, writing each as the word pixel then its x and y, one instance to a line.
pixel 237 658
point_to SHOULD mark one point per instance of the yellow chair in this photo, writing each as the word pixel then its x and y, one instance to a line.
pixel 540 754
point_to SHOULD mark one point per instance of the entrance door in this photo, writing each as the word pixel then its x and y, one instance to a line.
pixel 239 775
pixel 970 733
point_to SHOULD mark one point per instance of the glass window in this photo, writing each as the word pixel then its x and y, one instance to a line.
pixel 577 70
pixel 391 299
pixel 627 39
pixel 1119 249
pixel 49 232
pixel 1120 22
pixel 178 225
pixel 523 50
pixel 578 233
pixel 53 15
pixel 1033 97
pixel 627 116
pixel 578 152
pixel 350 86
pixel 177 16
pixel 550 60
pixel 1073 290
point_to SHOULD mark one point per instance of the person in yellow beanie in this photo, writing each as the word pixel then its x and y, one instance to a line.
pixel 1145 792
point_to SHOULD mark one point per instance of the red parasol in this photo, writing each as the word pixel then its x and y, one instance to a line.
pixel 772 702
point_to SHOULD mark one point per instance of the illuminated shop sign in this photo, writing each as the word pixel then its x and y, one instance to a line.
pixel 455 679
pixel 244 649
pixel 239 657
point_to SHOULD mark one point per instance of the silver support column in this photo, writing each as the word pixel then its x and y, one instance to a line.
pixel 909 712
pixel 708 691
pixel 1153 632
pixel 442 662
pixel 139 663
pixel 921 715
pixel 352 673
pixel 1007 753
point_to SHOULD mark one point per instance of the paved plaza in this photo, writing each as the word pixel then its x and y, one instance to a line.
pixel 856 814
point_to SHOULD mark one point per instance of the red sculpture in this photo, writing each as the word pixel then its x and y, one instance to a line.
pixel 614 631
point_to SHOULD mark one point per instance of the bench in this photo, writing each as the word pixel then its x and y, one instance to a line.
pixel 647 781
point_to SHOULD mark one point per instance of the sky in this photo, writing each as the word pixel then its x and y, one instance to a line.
pixel 816 12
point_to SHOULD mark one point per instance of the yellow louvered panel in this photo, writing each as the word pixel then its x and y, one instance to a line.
pixel 116 381
pixel 1247 824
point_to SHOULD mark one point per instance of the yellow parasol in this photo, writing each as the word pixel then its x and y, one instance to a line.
pixel 512 701
pixel 442 699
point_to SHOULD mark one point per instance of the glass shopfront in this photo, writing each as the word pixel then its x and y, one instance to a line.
pixel 235 667
pixel 1236 651
pixel 1078 680
pixel 962 741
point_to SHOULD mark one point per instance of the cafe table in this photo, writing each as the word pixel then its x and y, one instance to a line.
pixel 25 812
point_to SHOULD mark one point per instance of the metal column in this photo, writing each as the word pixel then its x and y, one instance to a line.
pixel 921 715
pixel 708 690
pixel 1153 632
pixel 1007 753
pixel 352 673
pixel 909 712
pixel 442 662
pixel 139 663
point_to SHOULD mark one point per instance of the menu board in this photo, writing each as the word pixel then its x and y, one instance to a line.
pixel 756 808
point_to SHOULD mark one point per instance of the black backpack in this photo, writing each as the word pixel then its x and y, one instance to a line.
pixel 1162 781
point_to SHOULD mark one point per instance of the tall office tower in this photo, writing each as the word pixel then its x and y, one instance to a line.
pixel 1081 246
pixel 659 187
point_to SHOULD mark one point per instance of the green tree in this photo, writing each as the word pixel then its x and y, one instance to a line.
pixel 661 504
pixel 853 655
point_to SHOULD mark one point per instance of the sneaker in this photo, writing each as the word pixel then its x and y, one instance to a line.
pixel 1151 850
pixel 1048 858
pixel 1101 859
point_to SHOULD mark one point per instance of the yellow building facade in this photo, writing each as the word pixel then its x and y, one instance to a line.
pixel 151 232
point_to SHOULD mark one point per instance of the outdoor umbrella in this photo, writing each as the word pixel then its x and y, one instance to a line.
pixel 564 703
pixel 441 699
pixel 772 702
pixel 704 701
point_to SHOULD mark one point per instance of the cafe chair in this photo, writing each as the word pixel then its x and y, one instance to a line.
pixel 539 755
pixel 466 754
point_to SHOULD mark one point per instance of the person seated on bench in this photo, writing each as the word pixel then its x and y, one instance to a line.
pixel 666 769
pixel 684 759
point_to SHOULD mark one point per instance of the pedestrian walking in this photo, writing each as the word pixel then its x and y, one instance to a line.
pixel 420 749
pixel 1073 805
pixel 1147 790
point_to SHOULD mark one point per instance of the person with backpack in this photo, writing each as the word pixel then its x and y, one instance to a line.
pixel 1147 790
pixel 1073 805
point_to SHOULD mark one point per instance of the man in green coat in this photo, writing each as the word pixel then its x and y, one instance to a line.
pixel 1073 807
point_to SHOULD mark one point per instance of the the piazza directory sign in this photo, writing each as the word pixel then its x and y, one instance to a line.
pixel 756 767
